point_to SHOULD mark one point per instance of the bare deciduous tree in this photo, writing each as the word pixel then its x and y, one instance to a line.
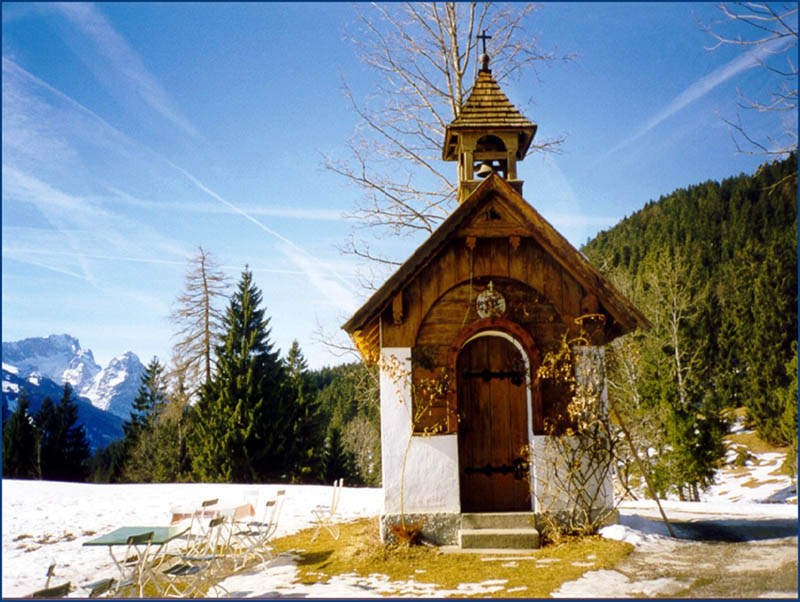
pixel 673 304
pixel 199 321
pixel 769 34
pixel 425 56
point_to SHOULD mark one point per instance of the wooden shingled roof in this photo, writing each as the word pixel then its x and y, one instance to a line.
pixel 624 313
pixel 488 108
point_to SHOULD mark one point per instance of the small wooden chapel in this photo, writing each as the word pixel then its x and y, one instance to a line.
pixel 476 307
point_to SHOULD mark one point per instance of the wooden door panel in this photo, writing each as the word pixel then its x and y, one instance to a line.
pixel 493 426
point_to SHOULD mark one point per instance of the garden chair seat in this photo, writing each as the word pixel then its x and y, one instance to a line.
pixel 100 587
pixel 197 569
pixel 58 591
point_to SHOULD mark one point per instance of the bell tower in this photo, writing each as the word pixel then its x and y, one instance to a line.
pixel 488 135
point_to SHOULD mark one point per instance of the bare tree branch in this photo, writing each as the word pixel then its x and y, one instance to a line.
pixel 337 344
pixel 769 34
pixel 424 56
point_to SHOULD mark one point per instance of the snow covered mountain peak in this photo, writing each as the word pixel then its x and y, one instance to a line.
pixel 60 358
pixel 114 388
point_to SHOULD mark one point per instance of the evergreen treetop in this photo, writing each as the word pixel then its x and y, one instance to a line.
pixel 242 417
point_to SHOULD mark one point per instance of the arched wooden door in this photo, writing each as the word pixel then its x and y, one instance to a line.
pixel 493 427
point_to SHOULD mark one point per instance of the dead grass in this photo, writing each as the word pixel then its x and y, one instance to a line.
pixel 755 483
pixel 754 444
pixel 359 550
pixel 739 471
pixel 740 412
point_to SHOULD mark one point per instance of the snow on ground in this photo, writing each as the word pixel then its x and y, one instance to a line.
pixel 45 521
pixel 49 521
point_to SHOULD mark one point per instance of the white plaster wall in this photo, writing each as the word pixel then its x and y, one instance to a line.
pixel 430 482
pixel 590 370
pixel 549 469
pixel 551 487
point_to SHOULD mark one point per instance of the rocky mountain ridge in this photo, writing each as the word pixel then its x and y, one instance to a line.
pixel 61 359
pixel 101 427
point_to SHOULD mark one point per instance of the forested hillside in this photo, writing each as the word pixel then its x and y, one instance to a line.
pixel 714 268
pixel 349 399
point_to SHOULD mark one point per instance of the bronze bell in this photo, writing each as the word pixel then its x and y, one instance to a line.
pixel 484 170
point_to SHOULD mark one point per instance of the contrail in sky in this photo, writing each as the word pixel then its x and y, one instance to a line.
pixel 704 85
pixel 126 62
pixel 341 294
pixel 18 250
pixel 299 250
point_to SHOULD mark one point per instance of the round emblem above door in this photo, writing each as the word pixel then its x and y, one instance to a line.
pixel 490 303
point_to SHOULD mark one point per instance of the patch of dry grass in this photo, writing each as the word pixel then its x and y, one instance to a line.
pixel 755 483
pixel 359 551
pixel 754 444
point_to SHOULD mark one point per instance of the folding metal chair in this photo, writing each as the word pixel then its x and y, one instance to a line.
pixel 253 537
pixel 132 566
pixel 194 571
pixel 51 570
pixel 198 525
pixel 251 497
pixel 324 515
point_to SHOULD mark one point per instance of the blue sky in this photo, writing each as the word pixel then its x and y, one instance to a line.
pixel 134 132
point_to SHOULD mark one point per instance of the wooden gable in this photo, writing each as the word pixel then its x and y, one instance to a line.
pixel 495 234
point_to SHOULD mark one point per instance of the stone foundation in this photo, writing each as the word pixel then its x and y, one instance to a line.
pixel 442 528
pixel 439 528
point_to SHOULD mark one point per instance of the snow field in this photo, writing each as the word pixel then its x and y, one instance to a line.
pixel 46 521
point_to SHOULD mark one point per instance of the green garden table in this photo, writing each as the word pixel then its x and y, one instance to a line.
pixel 148 552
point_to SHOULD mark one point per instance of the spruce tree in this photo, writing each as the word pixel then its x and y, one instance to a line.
pixel 63 446
pixel 242 420
pixel 50 440
pixel 19 442
pixel 76 445
pixel 150 399
pixel 338 461
pixel 788 400
pixel 307 420
pixel 152 441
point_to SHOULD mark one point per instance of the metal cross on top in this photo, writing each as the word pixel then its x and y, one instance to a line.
pixel 484 37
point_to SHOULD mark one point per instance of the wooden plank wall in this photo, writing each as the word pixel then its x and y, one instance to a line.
pixel 540 295
pixel 490 259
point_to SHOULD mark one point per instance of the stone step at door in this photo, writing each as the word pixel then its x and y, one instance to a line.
pixel 498 530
